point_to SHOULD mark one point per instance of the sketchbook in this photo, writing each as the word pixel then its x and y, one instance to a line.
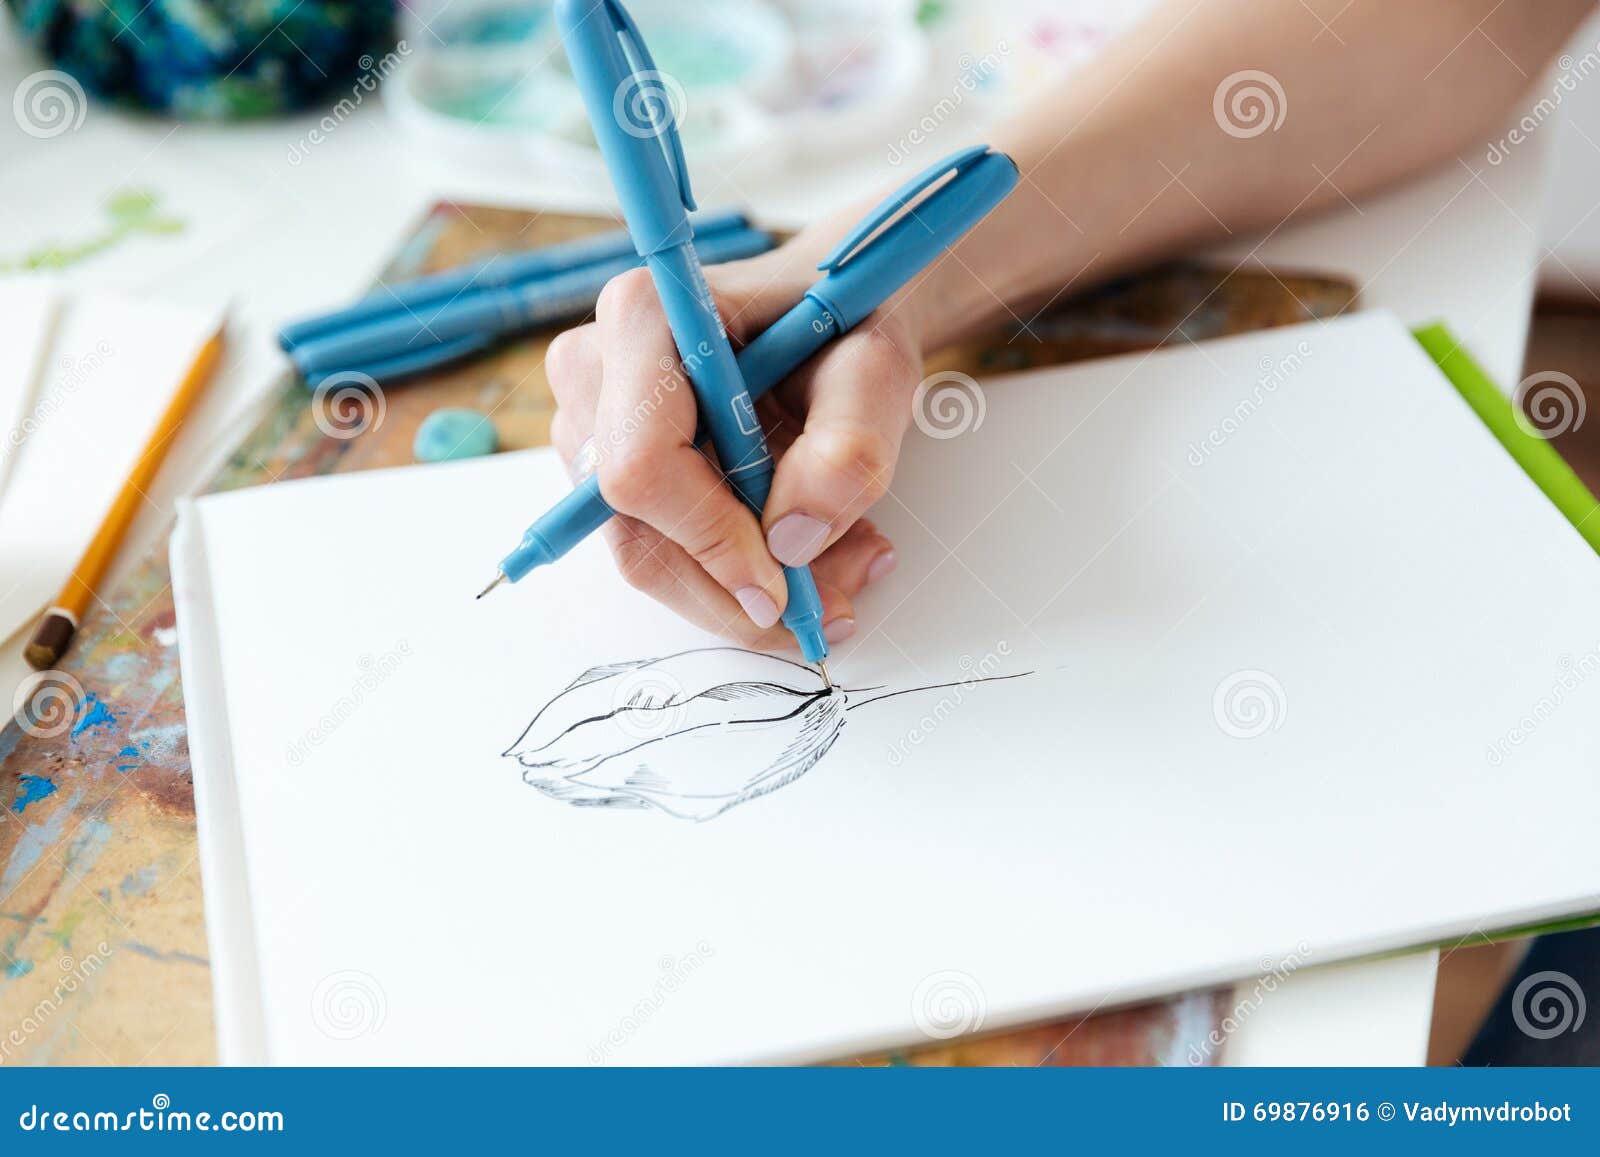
pixel 1271 617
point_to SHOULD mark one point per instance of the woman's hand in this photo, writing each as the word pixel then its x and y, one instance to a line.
pixel 835 426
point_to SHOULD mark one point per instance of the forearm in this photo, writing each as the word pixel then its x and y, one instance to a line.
pixel 1132 158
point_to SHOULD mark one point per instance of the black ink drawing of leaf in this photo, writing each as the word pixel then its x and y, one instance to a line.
pixel 676 734
pixel 691 734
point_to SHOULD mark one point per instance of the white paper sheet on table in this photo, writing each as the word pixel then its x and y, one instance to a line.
pixel 111 369
pixel 29 307
pixel 128 221
pixel 1280 607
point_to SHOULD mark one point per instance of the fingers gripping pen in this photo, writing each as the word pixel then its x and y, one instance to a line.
pixel 901 237
pixel 635 127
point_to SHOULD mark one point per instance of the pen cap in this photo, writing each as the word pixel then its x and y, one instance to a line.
pixel 630 110
pixel 904 235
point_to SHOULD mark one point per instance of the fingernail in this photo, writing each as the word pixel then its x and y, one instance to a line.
pixel 796 539
pixel 882 566
pixel 838 630
pixel 759 606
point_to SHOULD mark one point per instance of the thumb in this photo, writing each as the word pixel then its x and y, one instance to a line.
pixel 858 404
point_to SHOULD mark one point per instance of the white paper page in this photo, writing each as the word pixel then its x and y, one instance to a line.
pixel 113 366
pixel 134 210
pixel 1280 674
pixel 29 307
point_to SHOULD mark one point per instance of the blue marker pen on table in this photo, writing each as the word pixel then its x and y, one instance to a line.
pixel 502 271
pixel 495 313
pixel 899 239
pixel 633 124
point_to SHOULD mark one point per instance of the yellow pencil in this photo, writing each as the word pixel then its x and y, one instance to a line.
pixel 54 633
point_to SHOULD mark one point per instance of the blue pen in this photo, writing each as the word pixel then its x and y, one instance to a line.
pixel 497 272
pixel 404 365
pixel 639 140
pixel 492 313
pixel 864 271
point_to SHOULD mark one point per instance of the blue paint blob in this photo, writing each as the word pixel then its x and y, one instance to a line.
pixel 139 883
pixel 449 434
pixel 18 968
pixel 32 789
pixel 95 714
pixel 41 834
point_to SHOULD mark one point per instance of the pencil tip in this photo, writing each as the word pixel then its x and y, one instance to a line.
pixel 826 678
pixel 499 577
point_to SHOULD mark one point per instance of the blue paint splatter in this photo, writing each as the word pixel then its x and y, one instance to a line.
pixel 157 954
pixel 32 843
pixel 9 738
pixel 140 882
pixel 159 743
pixel 18 969
pixel 95 714
pixel 85 847
pixel 32 789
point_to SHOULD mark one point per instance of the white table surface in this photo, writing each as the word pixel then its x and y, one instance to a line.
pixel 1458 245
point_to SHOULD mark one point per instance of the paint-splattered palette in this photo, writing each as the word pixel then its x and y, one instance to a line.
pixel 102 934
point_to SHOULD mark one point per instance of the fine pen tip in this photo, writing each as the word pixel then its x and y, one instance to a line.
pixel 499 577
pixel 826 678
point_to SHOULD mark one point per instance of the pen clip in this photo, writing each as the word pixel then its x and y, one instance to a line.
pixel 898 200
pixel 646 75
